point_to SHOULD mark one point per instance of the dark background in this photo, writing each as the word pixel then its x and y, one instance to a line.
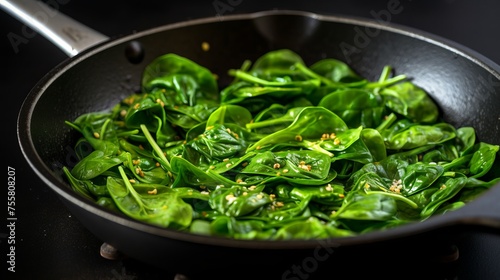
pixel 51 244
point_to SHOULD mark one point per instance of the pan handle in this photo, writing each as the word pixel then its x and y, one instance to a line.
pixel 66 33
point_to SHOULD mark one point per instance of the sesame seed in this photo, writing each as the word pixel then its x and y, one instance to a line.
pixel 276 166
pixel 205 46
pixel 96 135
pixel 128 100
pixel 154 191
pixel 298 138
pixel 158 100
pixel 230 198
pixel 396 186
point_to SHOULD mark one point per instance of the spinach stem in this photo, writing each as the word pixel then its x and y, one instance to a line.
pixel 72 125
pixel 256 80
pixel 387 82
pixel 304 69
pixel 265 123
pixel 397 197
pixel 385 73
pixel 103 128
pixel 129 186
pixel 383 77
pixel 456 162
pixel 155 146
pixel 314 146
pixel 127 133
pixel 388 121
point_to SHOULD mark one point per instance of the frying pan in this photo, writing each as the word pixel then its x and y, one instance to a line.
pixel 100 71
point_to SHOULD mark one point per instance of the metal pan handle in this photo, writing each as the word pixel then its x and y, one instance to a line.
pixel 70 36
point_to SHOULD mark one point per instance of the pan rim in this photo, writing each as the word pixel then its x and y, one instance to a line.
pixel 44 172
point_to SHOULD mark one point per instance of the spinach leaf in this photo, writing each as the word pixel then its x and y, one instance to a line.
pixel 483 159
pixel 164 209
pixel 310 124
pixel 357 107
pixel 287 150
pixel 403 135
pixel 410 101
pixel 238 200
pixel 172 64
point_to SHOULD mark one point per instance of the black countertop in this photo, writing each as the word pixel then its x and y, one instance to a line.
pixel 51 244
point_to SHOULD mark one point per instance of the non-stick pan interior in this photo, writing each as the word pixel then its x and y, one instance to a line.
pixel 466 89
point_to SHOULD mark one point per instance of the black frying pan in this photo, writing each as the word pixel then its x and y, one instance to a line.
pixel 464 84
